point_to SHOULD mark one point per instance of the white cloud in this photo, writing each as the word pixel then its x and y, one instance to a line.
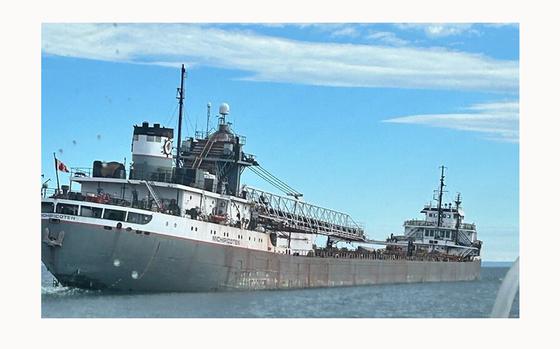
pixel 497 121
pixel 273 59
pixel 346 31
pixel 387 38
pixel 437 30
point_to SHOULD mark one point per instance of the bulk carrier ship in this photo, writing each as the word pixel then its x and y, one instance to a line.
pixel 182 221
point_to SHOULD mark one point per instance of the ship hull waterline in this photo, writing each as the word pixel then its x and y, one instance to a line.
pixel 93 257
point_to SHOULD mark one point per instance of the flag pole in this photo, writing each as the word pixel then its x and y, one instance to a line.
pixel 56 171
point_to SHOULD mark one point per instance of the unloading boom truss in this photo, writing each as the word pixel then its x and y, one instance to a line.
pixel 287 214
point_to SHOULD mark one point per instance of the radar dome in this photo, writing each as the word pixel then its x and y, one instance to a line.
pixel 224 109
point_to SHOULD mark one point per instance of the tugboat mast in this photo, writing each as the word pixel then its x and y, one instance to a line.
pixel 180 98
pixel 458 222
pixel 440 195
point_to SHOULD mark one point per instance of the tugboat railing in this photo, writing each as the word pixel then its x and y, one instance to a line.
pixel 423 223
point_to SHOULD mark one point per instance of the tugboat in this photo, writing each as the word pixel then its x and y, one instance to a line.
pixel 182 221
pixel 442 232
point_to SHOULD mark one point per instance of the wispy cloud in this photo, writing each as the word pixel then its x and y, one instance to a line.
pixel 274 59
pixel 497 121
pixel 388 38
pixel 437 30
pixel 346 31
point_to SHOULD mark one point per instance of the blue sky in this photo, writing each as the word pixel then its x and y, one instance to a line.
pixel 358 117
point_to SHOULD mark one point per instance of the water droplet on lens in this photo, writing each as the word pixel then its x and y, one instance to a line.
pixel 134 274
pixel 116 262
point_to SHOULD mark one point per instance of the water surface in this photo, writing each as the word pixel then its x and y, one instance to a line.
pixel 472 299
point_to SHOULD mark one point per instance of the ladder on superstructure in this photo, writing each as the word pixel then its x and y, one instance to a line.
pixel 153 194
pixel 207 147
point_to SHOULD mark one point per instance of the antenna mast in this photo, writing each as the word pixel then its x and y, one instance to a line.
pixel 458 222
pixel 180 97
pixel 208 117
pixel 440 195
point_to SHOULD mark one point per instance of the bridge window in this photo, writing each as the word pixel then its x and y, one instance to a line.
pixel 47 207
pixel 67 209
pixel 135 137
pixel 150 138
pixel 426 232
pixel 158 139
pixel 114 215
pixel 138 218
pixel 94 212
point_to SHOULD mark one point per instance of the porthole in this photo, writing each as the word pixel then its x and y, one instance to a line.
pixel 166 224
pixel 196 229
pixel 191 228
pixel 175 225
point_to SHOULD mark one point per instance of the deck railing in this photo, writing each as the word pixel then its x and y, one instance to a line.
pixel 80 172
pixel 294 215
pixel 423 223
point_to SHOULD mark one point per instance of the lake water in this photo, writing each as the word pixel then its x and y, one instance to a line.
pixel 472 299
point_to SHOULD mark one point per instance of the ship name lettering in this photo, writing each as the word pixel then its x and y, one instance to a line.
pixel 59 216
pixel 225 240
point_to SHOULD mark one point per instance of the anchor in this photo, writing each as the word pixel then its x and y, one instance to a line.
pixel 53 240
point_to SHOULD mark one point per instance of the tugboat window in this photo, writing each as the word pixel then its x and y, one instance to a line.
pixel 94 212
pixel 67 209
pixel 114 215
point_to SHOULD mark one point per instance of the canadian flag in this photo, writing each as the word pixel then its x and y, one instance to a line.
pixel 61 167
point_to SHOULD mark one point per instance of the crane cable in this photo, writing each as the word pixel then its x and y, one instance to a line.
pixel 274 181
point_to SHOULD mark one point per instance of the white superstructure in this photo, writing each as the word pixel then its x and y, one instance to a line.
pixel 204 216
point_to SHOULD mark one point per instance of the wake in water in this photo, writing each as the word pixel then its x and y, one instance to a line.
pixel 63 291
pixel 51 288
